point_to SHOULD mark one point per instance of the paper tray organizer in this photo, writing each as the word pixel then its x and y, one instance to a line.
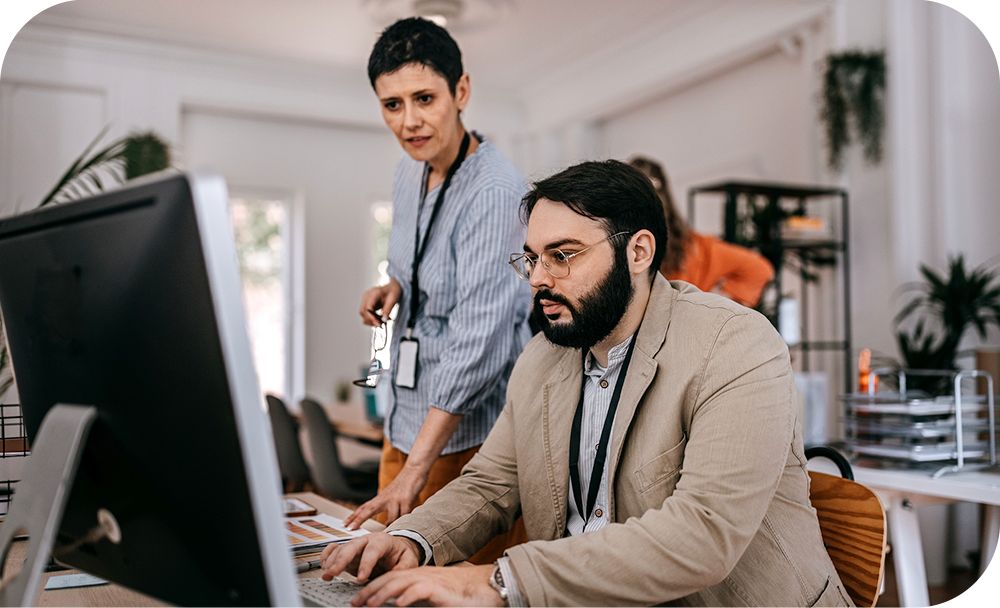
pixel 911 427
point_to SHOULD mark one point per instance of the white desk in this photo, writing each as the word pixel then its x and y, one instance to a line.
pixel 901 491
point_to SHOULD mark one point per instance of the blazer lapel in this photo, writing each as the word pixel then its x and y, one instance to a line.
pixel 560 398
pixel 641 371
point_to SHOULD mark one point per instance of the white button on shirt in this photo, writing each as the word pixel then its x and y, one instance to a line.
pixel 595 408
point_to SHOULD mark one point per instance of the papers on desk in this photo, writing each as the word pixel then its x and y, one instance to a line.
pixel 314 532
pixel 72 581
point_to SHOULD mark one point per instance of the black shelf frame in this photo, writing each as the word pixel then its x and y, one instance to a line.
pixel 779 198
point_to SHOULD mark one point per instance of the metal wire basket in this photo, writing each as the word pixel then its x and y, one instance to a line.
pixel 946 430
pixel 14 451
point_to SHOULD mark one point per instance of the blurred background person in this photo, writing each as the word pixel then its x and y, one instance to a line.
pixel 708 263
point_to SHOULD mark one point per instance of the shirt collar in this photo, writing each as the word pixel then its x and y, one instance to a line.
pixel 615 358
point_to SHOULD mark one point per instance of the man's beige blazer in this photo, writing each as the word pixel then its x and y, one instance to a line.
pixel 710 501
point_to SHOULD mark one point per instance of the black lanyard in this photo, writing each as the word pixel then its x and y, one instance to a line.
pixel 602 447
pixel 420 247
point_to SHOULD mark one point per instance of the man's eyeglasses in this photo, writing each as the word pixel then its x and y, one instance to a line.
pixel 554 261
pixel 379 338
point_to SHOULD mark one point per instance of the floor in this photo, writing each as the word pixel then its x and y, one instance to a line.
pixel 958 581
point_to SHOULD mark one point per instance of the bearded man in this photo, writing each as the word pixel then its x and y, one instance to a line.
pixel 649 438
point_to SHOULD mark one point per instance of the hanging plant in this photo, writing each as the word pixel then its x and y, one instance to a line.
pixel 854 95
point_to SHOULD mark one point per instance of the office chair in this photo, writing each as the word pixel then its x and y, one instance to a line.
pixel 332 478
pixel 291 463
pixel 852 522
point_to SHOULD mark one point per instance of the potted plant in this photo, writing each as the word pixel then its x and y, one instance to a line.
pixel 6 376
pixel 931 325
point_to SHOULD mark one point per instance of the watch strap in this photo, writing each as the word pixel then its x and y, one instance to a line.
pixel 497 582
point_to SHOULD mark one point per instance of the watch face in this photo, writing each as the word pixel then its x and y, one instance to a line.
pixel 497 577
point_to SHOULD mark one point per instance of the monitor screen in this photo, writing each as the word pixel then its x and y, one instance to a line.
pixel 130 302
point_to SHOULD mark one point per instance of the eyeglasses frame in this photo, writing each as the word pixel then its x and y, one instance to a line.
pixel 375 368
pixel 517 257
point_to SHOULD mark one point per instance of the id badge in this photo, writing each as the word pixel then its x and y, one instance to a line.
pixel 406 365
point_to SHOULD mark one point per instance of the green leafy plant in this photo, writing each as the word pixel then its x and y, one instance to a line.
pixel 6 377
pixel 123 159
pixel 854 93
pixel 92 172
pixel 948 306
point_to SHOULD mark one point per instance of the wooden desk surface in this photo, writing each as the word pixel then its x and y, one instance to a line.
pixel 363 431
pixel 116 595
pixel 350 421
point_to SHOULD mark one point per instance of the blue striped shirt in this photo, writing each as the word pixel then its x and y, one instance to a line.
pixel 472 317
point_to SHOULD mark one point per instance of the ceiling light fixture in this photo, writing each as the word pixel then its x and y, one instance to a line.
pixel 454 14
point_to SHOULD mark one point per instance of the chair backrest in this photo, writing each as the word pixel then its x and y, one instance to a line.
pixel 852 521
pixel 291 463
pixel 328 471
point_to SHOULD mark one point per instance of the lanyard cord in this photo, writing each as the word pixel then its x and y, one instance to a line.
pixel 421 247
pixel 602 448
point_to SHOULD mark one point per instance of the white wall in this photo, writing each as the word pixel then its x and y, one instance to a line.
pixel 42 130
pixel 944 176
pixel 732 126
pixel 335 174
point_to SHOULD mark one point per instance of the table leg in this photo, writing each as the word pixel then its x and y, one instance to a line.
pixel 907 552
pixel 991 533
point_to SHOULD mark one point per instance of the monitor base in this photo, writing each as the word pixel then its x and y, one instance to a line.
pixel 38 503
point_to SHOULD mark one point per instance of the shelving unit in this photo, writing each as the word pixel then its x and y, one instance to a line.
pixel 752 217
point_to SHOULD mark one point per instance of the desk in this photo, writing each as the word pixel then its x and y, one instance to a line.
pixel 349 421
pixel 116 595
pixel 365 432
pixel 901 491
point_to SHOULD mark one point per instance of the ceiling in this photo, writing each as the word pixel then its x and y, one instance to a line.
pixel 531 38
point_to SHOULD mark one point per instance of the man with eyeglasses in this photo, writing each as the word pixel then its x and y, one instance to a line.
pixel 649 438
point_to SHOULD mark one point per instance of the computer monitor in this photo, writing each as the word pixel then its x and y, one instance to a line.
pixel 130 302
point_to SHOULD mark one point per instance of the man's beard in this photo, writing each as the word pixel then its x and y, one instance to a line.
pixel 597 314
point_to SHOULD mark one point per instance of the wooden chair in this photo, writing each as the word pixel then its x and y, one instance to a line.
pixel 852 521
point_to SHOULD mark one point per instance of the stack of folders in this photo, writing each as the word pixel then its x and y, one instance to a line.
pixel 311 533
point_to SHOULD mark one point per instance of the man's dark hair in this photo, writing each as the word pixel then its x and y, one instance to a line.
pixel 416 40
pixel 610 191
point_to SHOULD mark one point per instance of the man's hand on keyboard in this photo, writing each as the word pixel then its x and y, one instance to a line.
pixel 434 586
pixel 372 554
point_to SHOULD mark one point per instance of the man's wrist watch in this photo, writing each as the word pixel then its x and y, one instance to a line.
pixel 496 581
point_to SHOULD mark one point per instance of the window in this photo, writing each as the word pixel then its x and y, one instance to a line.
pixel 262 226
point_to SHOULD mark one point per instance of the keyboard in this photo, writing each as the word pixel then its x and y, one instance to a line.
pixel 317 592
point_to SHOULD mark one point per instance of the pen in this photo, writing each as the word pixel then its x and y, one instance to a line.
pixel 307 566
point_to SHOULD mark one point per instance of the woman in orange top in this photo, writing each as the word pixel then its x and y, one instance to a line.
pixel 704 261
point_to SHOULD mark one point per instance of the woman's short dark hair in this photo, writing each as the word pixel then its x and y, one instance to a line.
pixel 416 40
pixel 610 191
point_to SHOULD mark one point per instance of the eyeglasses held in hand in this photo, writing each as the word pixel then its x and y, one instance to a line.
pixel 375 369
pixel 554 261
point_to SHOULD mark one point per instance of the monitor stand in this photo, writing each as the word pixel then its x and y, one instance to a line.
pixel 38 502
